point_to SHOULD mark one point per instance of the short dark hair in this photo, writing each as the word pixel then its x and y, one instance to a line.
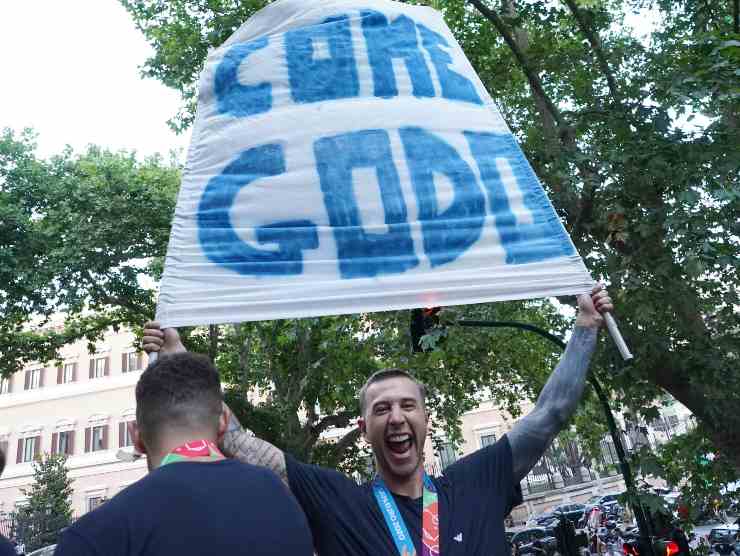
pixel 181 391
pixel 384 374
pixel 2 462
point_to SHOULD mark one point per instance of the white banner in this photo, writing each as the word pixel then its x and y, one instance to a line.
pixel 346 158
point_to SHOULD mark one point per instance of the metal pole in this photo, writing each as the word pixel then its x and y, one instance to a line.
pixel 642 522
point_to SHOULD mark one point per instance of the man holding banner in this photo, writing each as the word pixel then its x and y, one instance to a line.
pixel 347 159
pixel 403 510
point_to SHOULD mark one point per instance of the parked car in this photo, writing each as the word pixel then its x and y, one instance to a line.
pixel 534 540
pixel 573 512
pixel 545 519
pixel 724 540
pixel 606 502
pixel 722 532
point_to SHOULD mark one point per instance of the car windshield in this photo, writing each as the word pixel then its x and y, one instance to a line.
pixel 717 534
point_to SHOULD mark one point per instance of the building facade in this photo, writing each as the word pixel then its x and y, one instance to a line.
pixel 79 408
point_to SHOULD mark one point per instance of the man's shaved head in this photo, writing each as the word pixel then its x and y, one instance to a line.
pixel 179 392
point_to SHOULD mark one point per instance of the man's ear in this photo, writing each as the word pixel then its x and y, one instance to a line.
pixel 363 427
pixel 223 422
pixel 133 430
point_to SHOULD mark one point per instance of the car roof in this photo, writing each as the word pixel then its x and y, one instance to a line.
pixel 728 527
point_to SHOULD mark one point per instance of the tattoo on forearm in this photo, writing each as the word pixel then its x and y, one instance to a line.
pixel 243 445
pixel 557 402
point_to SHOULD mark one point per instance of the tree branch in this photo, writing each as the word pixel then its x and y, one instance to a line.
pixel 345 442
pixel 109 299
pixel 597 47
pixel 534 79
pixel 566 135
pixel 341 419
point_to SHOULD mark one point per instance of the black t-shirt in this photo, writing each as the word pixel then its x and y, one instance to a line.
pixel 6 549
pixel 195 508
pixel 475 494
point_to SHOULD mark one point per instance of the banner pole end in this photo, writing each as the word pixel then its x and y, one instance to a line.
pixel 616 335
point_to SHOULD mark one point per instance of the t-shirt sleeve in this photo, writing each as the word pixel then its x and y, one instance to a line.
pixel 71 543
pixel 491 468
pixel 318 491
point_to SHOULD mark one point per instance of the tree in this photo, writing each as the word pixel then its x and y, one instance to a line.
pixel 48 511
pixel 636 142
pixel 80 234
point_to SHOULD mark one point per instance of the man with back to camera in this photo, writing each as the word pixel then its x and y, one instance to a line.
pixel 403 511
pixel 194 501
pixel 6 549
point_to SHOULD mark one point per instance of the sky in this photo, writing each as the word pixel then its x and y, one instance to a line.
pixel 71 70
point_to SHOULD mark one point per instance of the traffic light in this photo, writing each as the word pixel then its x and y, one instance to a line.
pixel 422 322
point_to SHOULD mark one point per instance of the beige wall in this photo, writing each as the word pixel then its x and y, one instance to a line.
pixel 86 402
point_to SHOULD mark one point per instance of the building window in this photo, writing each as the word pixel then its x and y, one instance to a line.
pixel 34 379
pixel 98 439
pixel 124 435
pixel 94 502
pixel 99 367
pixel 131 362
pixel 447 454
pixel 28 448
pixel 5 386
pixel 68 374
pixel 487 439
pixel 63 442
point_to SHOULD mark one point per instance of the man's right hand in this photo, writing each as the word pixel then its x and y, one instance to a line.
pixel 165 341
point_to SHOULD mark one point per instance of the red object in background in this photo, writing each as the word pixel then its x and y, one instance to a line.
pixel 671 548
pixel 629 550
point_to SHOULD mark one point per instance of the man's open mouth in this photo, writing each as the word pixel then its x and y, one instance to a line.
pixel 399 443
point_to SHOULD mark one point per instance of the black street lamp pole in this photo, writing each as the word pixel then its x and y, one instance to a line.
pixel 629 481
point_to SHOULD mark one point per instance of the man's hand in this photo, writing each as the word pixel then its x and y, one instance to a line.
pixel 165 341
pixel 592 307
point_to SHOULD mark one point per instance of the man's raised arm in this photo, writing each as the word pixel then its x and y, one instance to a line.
pixel 238 442
pixel 532 434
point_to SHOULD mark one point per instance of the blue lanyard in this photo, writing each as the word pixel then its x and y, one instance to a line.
pixel 393 518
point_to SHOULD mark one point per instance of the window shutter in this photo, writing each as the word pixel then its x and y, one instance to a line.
pixel 27 384
pixel 54 442
pixel 36 447
pixel 42 372
pixel 71 442
pixel 107 366
pixel 139 361
pixel 19 455
pixel 121 434
pixel 105 437
pixel 60 371
pixel 124 362
pixel 74 372
pixel 87 439
pixel 92 368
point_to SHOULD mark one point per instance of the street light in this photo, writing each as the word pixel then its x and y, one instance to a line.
pixel 629 481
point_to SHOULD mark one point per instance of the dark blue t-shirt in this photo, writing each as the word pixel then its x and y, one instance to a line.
pixel 6 549
pixel 475 494
pixel 195 508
